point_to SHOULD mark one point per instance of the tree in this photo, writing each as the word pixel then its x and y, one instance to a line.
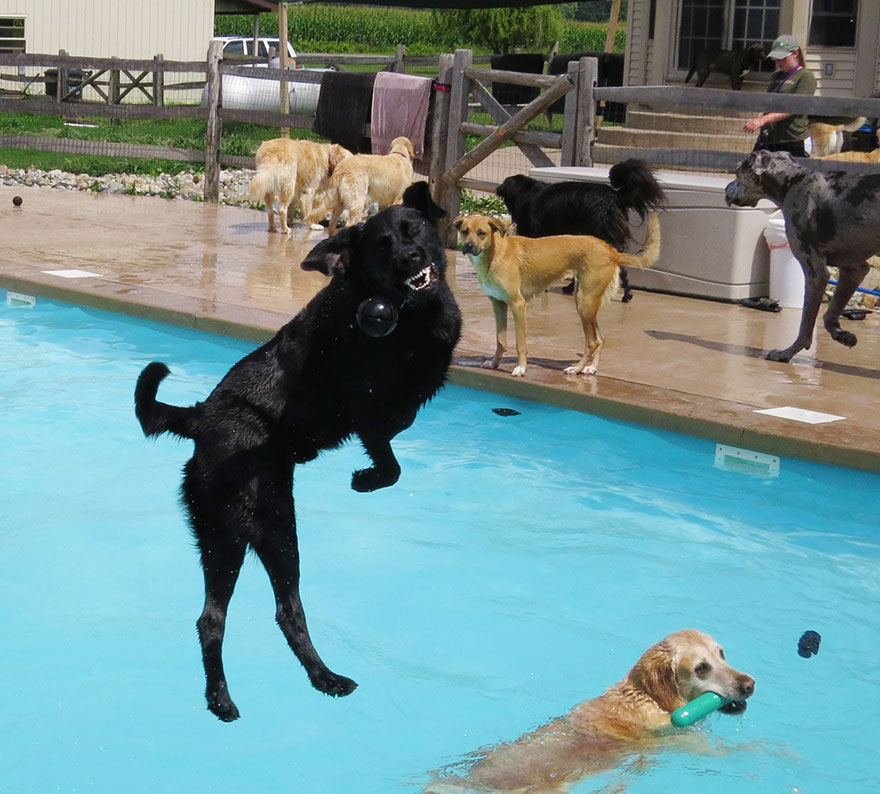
pixel 503 29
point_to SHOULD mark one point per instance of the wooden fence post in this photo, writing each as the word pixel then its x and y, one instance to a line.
pixel 570 118
pixel 212 138
pixel 439 138
pixel 282 58
pixel 399 59
pixel 159 82
pixel 588 75
pixel 61 91
pixel 458 112
pixel 113 89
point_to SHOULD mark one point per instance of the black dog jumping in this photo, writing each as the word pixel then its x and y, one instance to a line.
pixel 319 381
pixel 542 209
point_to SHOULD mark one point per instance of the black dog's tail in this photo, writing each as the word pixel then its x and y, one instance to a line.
pixel 636 187
pixel 156 417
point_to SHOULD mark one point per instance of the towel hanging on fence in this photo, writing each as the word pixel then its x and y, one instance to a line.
pixel 400 107
pixel 530 63
pixel 343 111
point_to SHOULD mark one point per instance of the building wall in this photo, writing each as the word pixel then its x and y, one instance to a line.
pixel 856 71
pixel 123 28
pixel 840 61
pixel 637 44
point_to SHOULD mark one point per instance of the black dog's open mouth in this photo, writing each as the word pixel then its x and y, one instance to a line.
pixel 425 278
pixel 733 707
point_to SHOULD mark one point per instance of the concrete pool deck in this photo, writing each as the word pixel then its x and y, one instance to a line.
pixel 676 363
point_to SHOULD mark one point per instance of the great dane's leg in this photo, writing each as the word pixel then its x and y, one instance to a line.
pixel 815 280
pixel 849 277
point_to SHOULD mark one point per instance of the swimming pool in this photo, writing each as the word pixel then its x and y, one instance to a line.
pixel 521 565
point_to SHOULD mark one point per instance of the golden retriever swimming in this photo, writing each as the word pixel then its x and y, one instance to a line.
pixel 513 269
pixel 294 173
pixel 598 734
pixel 365 179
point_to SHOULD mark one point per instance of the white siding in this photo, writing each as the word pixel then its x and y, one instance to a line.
pixel 123 28
pixel 636 43
pixel 842 82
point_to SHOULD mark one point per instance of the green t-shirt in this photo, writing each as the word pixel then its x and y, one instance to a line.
pixel 793 128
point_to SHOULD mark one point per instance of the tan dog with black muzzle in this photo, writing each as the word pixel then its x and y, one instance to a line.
pixel 512 270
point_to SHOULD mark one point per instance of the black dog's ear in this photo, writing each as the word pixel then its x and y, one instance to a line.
pixel 418 197
pixel 332 256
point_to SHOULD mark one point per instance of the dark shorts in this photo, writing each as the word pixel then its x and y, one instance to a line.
pixel 794 148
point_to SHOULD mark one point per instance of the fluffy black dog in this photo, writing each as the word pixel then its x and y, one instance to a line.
pixel 542 209
pixel 320 380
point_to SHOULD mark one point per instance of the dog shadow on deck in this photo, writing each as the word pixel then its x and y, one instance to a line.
pixel 757 352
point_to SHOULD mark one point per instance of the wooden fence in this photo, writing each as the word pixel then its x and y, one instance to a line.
pixel 461 87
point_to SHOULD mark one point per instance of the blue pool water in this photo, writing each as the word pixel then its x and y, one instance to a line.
pixel 520 565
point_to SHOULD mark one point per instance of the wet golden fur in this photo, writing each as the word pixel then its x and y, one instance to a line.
pixel 513 269
pixel 294 173
pixel 364 179
pixel 597 735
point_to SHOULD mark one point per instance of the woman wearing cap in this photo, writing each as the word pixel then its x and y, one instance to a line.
pixel 785 132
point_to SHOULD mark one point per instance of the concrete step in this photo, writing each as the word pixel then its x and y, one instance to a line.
pixel 652 138
pixel 684 122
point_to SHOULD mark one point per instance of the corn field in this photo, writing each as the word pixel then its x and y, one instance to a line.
pixel 353 29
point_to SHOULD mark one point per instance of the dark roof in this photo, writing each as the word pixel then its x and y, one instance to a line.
pixel 244 6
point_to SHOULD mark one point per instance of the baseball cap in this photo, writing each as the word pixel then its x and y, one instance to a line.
pixel 783 47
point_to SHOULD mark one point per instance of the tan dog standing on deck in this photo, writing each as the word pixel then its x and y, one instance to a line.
pixel 512 270
pixel 597 735
pixel 294 173
pixel 365 179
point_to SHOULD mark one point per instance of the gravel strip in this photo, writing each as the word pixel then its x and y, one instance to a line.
pixel 233 183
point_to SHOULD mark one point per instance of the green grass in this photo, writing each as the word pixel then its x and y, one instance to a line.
pixel 238 139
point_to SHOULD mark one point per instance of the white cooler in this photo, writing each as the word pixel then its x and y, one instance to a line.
pixel 708 249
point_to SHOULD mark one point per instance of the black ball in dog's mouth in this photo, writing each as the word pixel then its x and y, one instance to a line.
pixel 733 707
pixel 377 316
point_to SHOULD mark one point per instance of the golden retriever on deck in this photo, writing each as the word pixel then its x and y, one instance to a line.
pixel 512 270
pixel 365 179
pixel 598 734
pixel 294 173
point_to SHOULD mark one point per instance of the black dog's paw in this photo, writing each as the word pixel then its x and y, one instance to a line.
pixel 845 338
pixel 336 686
pixel 224 710
pixel 780 355
pixel 366 480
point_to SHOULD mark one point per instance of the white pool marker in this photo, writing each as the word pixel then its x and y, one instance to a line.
pixel 800 415
pixel 20 299
pixel 72 273
pixel 747 461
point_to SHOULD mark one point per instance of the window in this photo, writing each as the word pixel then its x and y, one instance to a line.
pixel 12 34
pixel 726 24
pixel 234 47
pixel 833 23
pixel 702 25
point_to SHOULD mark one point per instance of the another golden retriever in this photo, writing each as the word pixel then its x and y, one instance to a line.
pixel 294 173
pixel 598 734
pixel 512 270
pixel 827 138
pixel 366 179
pixel 856 157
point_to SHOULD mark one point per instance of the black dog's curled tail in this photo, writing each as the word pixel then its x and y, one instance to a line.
pixel 156 417
pixel 637 188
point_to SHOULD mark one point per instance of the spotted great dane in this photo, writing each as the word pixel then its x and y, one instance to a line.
pixel 832 219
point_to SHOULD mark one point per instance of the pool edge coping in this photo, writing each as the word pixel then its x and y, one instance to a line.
pixel 696 420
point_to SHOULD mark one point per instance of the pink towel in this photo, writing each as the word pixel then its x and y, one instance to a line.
pixel 400 107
